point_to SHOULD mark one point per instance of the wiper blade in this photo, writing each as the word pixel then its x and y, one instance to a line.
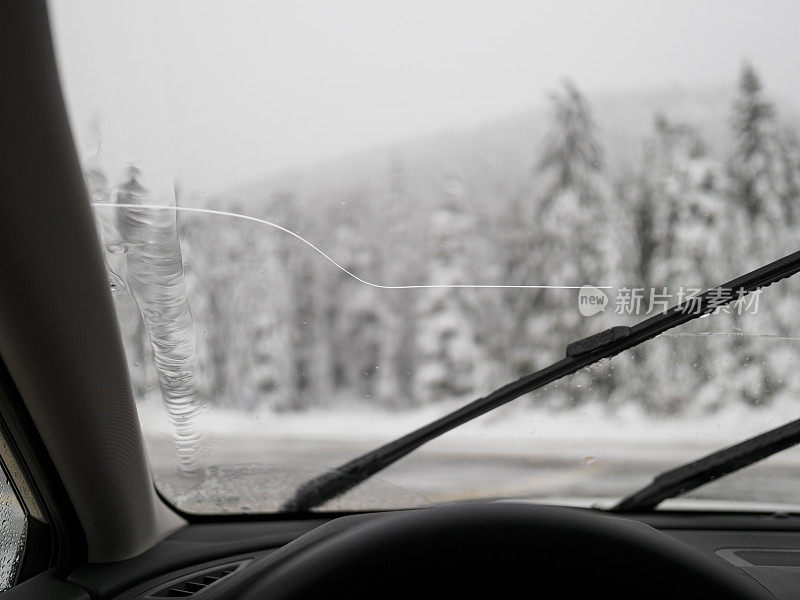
pixel 692 475
pixel 579 354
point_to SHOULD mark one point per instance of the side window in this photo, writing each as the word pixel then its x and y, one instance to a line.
pixel 13 527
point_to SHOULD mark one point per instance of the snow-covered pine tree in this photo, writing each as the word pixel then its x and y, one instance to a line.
pixel 574 233
pixel 400 264
pixel 448 356
pixel 755 173
pixel 790 166
pixel 680 215
pixel 261 306
pixel 758 230
pixel 687 210
pixel 307 279
pixel 353 310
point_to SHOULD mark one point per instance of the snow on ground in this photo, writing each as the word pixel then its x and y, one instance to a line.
pixel 500 431
pixel 256 460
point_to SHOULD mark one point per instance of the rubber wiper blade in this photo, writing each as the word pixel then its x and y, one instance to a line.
pixel 692 475
pixel 579 354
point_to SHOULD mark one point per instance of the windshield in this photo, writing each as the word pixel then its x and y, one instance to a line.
pixel 326 225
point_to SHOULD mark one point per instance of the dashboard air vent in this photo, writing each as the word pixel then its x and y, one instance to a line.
pixel 191 585
pixel 770 558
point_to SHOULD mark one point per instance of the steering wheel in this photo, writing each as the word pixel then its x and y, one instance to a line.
pixel 497 550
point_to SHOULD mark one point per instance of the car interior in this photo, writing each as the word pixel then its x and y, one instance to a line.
pixel 96 527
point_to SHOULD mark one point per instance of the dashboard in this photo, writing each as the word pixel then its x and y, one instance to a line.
pixel 220 560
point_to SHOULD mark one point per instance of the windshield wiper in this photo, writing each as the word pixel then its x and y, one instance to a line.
pixel 579 354
pixel 692 475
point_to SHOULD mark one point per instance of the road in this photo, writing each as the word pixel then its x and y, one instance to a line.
pixel 455 470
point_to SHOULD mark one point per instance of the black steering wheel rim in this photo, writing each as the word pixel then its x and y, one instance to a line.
pixel 500 549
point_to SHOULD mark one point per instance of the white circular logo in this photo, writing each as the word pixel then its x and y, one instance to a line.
pixel 591 300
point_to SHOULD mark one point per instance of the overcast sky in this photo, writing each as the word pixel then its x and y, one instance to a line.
pixel 220 92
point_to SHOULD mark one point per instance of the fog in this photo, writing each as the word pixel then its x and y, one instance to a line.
pixel 225 92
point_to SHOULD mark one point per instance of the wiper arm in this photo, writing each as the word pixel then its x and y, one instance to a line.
pixel 705 470
pixel 579 354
